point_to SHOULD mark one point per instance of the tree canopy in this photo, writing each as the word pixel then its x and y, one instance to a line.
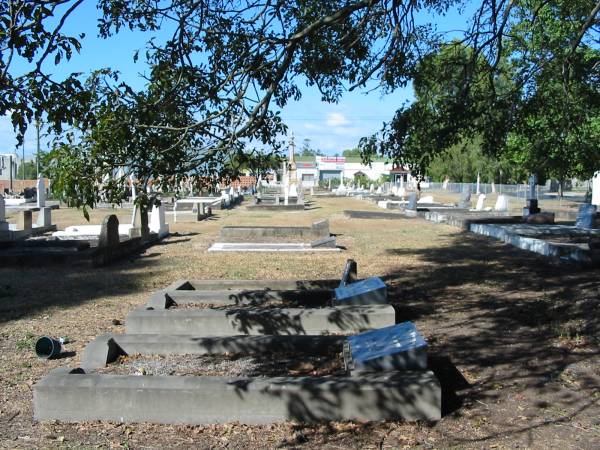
pixel 217 81
pixel 535 105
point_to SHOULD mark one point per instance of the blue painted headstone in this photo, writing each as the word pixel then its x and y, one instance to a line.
pixel 585 216
pixel 398 347
pixel 412 201
pixel 368 291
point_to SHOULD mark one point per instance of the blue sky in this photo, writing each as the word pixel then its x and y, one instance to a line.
pixel 331 128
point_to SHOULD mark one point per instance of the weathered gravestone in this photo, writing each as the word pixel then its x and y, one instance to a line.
pixel 501 204
pixel 41 193
pixel 412 201
pixel 109 232
pixel 585 216
pixel 44 217
pixel 480 200
pixel 532 200
pixel 24 221
pixel 465 197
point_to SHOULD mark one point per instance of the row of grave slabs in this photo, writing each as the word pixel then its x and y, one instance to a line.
pixel 252 352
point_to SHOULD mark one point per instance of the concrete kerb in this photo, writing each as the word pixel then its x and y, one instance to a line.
pixel 256 321
pixel 164 300
pixel 202 400
pixel 108 347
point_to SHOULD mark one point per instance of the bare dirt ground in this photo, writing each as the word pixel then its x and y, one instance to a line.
pixel 513 339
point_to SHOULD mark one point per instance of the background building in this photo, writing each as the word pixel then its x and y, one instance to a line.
pixel 312 169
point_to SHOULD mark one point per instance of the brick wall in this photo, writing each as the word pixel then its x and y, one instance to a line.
pixel 19 185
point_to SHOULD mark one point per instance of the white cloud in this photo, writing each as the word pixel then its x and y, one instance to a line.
pixel 311 126
pixel 336 119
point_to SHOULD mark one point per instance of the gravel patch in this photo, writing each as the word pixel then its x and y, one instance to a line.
pixel 228 366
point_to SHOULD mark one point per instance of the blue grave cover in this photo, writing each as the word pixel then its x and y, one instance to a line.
pixel 381 347
pixel 358 288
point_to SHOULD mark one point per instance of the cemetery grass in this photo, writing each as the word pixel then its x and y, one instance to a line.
pixel 512 338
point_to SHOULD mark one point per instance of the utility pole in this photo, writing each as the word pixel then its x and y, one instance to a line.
pixel 37 126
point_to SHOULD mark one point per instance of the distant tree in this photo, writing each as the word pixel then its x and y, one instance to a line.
pixel 307 150
pixel 30 168
pixel 354 152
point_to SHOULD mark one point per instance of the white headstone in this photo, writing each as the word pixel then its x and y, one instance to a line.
pixel 445 183
pixel 596 189
pixel 312 190
pixel 379 190
pixel 158 223
pixel 480 200
pixel 329 186
pixel 275 177
pixel 41 193
pixel 293 190
pixel 44 218
pixel 133 192
pixel 372 188
pixel 286 194
pixel 501 204
pixel 478 191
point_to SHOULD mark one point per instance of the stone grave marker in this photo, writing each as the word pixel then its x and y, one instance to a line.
pixel 532 200
pixel 41 193
pixel 412 201
pixel 44 217
pixel 24 222
pixel 480 200
pixel 501 204
pixel 465 197
pixel 585 216
pixel 109 232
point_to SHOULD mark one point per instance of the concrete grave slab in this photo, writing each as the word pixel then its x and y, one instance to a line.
pixel 256 321
pixel 82 396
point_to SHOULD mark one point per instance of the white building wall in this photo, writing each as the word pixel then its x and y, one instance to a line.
pixel 5 165
pixel 374 171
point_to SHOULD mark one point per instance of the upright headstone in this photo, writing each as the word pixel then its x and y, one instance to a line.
pixel 133 192
pixel 372 188
pixel 379 190
pixel 532 200
pixel 24 222
pixel 501 204
pixel 329 184
pixel 312 190
pixel 585 216
pixel 480 200
pixel 478 191
pixel 465 197
pixel 3 222
pixel 41 193
pixel 300 196
pixel 412 201
pixel 445 183
pixel 286 194
pixel 158 224
pixel 109 232
pixel 596 189
pixel 44 217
